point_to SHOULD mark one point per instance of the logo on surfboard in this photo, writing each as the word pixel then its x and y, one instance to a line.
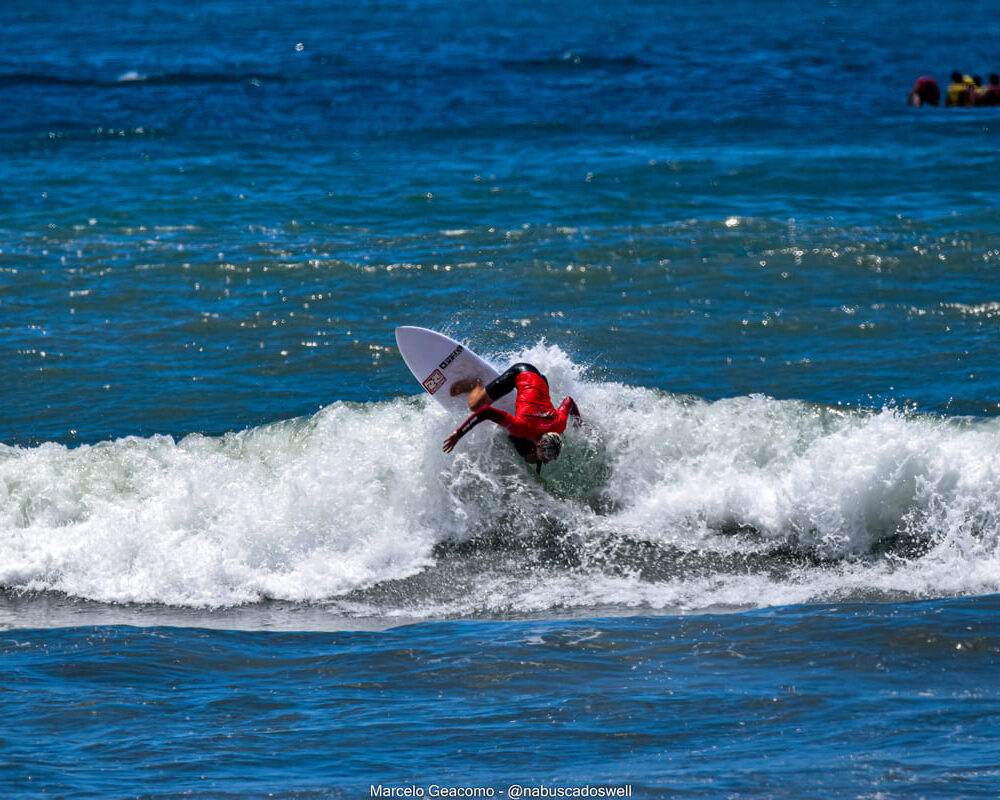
pixel 452 356
pixel 434 381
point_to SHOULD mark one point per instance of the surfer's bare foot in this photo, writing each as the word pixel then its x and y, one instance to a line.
pixel 464 386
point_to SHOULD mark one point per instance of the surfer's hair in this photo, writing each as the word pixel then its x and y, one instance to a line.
pixel 551 445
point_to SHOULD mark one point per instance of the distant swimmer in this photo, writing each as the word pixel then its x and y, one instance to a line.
pixel 990 96
pixel 925 92
pixel 961 91
pixel 536 425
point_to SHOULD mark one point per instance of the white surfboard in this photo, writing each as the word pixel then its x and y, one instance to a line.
pixel 438 361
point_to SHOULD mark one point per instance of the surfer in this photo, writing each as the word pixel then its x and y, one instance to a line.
pixel 925 92
pixel 990 96
pixel 961 91
pixel 535 428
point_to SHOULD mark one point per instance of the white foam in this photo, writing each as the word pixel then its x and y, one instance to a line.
pixel 360 495
pixel 299 511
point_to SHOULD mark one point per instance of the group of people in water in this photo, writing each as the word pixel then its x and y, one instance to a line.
pixel 964 90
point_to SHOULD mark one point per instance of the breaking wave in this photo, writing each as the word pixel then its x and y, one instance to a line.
pixel 662 502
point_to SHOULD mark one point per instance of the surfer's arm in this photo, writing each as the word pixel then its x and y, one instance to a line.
pixel 484 413
pixel 569 406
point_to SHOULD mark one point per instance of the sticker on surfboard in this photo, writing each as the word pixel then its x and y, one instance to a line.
pixel 437 362
pixel 434 381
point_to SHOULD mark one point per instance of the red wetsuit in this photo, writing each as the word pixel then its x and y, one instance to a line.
pixel 534 415
pixel 925 92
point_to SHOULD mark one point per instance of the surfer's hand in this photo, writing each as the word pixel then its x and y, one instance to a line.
pixel 574 412
pixel 451 441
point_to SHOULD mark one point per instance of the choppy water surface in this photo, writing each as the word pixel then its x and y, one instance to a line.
pixel 766 568
pixel 820 701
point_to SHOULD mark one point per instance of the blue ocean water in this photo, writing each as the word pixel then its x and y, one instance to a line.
pixel 897 701
pixel 234 561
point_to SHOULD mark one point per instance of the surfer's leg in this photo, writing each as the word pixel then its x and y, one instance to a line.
pixel 472 387
pixel 505 383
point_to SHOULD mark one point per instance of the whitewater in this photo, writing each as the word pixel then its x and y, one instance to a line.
pixel 234 561
pixel 661 503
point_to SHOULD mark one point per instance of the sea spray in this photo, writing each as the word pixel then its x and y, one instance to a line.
pixel 659 501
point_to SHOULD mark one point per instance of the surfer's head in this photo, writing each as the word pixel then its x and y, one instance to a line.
pixel 549 447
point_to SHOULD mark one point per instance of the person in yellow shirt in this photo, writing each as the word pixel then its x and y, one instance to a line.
pixel 961 91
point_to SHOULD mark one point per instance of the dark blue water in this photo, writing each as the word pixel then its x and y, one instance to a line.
pixel 234 561
pixel 897 701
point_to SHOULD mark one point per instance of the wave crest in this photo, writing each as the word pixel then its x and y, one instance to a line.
pixel 661 501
